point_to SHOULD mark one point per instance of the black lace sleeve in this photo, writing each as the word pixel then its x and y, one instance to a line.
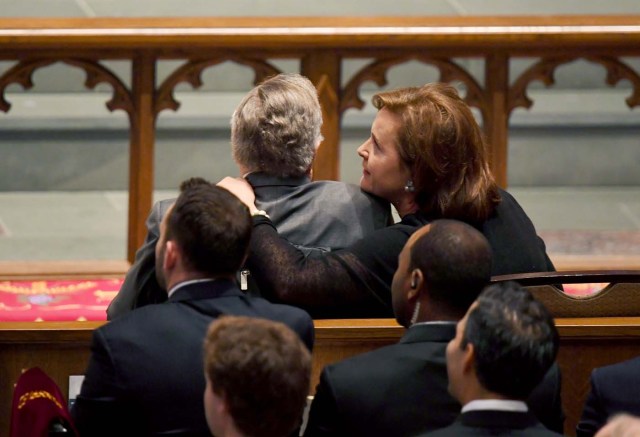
pixel 354 282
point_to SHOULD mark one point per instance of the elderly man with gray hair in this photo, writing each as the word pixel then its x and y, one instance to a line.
pixel 275 132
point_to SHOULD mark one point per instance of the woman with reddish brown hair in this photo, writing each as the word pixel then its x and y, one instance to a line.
pixel 426 155
pixel 451 175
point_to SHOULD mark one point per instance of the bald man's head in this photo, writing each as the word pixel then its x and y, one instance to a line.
pixel 455 260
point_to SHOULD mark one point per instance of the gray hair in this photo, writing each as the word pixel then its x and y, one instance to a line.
pixel 276 127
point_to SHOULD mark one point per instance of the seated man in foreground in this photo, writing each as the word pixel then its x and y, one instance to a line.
pixel 145 372
pixel 258 374
pixel 503 347
pixel 275 132
pixel 401 390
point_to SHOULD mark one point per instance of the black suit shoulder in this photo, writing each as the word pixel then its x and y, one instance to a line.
pixel 515 244
pixel 613 390
pixel 397 390
pixel 494 423
pixel 141 356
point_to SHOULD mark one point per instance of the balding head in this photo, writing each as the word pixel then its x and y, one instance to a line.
pixel 447 264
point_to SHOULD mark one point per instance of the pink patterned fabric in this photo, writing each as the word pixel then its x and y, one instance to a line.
pixel 50 301
pixel 28 301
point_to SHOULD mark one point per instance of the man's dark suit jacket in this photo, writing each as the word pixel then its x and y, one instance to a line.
pixel 493 423
pixel 614 389
pixel 401 390
pixel 145 374
pixel 323 215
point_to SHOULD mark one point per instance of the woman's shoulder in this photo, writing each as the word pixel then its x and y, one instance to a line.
pixel 405 227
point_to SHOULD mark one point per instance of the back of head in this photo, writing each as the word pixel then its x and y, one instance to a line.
pixel 514 338
pixel 455 260
pixel 262 370
pixel 211 226
pixel 276 127
pixel 442 144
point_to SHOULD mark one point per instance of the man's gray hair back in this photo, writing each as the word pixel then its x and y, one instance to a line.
pixel 276 127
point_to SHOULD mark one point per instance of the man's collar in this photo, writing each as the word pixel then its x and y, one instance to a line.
pixel 261 179
pixel 204 289
pixel 179 285
pixel 496 405
pixel 437 332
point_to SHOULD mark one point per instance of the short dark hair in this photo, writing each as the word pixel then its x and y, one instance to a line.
pixel 262 370
pixel 211 226
pixel 455 260
pixel 514 338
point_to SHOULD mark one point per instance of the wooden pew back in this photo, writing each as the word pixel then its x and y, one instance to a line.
pixel 595 329
pixel 620 298
pixel 62 349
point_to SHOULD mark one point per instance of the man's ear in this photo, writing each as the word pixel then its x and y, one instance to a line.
pixel 416 282
pixel 171 255
pixel 468 359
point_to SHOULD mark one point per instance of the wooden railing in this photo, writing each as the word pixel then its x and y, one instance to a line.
pixel 321 44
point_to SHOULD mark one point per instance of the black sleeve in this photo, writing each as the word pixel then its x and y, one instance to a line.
pixel 323 414
pixel 349 283
pixel 546 403
pixel 140 286
pixel 594 416
pixel 100 408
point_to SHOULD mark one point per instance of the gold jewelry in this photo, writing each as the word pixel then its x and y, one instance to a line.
pixel 260 212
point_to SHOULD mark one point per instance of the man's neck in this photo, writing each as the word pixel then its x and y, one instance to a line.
pixel 430 312
pixel 176 278
pixel 474 392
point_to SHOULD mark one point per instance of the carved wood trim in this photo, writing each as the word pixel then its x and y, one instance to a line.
pixel 98 73
pixel 617 71
pixel 376 71
pixel 22 74
pixel 191 73
pixel 543 71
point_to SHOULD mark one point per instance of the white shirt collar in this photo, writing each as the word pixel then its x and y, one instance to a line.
pixel 185 283
pixel 437 322
pixel 495 404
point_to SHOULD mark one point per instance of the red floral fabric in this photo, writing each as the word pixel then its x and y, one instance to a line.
pixel 56 300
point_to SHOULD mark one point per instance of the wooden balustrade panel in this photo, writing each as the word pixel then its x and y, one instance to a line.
pixel 321 44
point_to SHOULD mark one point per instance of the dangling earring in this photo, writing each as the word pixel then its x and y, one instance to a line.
pixel 414 316
pixel 409 188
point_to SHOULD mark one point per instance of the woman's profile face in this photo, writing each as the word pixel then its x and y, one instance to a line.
pixel 383 172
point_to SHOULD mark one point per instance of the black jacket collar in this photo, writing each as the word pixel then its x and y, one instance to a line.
pixel 206 290
pixel 260 179
pixel 432 332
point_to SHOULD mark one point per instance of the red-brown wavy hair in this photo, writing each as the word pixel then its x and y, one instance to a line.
pixel 443 146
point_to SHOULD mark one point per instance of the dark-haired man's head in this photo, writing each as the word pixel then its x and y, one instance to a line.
pixel 258 373
pixel 205 234
pixel 503 346
pixel 442 269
